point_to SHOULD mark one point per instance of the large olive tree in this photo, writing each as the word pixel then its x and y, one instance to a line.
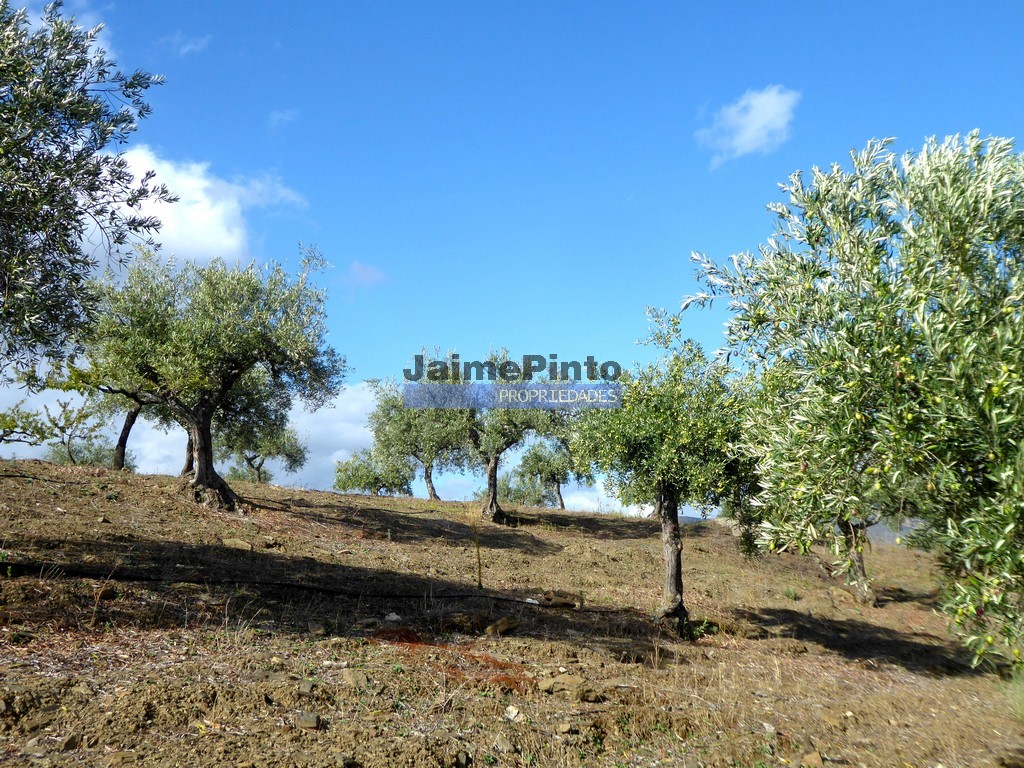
pixel 182 339
pixel 887 316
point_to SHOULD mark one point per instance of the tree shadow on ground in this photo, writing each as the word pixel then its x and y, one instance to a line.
pixel 125 581
pixel 377 522
pixel 863 642
pixel 602 526
pixel 891 594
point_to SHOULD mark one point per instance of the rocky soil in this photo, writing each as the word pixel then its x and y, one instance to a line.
pixel 316 629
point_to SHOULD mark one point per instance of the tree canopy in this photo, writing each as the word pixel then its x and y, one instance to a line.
pixel 252 426
pixel 493 431
pixel 20 425
pixel 434 438
pixel 669 444
pixel 885 315
pixel 182 339
pixel 65 197
pixel 370 472
pixel 549 465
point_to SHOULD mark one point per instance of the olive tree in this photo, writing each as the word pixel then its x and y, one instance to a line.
pixel 480 436
pixel 98 407
pixel 182 339
pixel 378 474
pixel 550 464
pixel 887 313
pixel 21 425
pixel 516 488
pixel 491 432
pixel 435 438
pixel 94 451
pixel 73 427
pixel 283 444
pixel 668 445
pixel 66 194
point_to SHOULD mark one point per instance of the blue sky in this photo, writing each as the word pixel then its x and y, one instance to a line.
pixel 528 175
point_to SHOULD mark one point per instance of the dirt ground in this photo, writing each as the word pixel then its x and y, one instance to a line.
pixel 318 629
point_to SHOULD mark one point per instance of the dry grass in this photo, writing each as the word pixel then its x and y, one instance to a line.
pixel 1015 695
pixel 366 613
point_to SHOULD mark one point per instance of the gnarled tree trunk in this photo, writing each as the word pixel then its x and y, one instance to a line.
pixel 189 459
pixel 204 483
pixel 855 535
pixel 672 614
pixel 558 495
pixel 428 476
pixel 492 511
pixel 121 449
pixel 207 486
pixel 255 462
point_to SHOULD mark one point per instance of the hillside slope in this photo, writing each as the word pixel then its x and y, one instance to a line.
pixel 317 629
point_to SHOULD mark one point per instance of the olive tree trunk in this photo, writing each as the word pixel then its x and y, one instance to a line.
pixel 121 449
pixel 189 459
pixel 428 476
pixel 672 613
pixel 492 511
pixel 855 535
pixel 256 462
pixel 207 486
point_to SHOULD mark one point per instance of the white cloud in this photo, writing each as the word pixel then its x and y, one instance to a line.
pixel 183 46
pixel 363 275
pixel 333 433
pixel 757 122
pixel 208 219
pixel 157 453
pixel 597 499
pixel 281 117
